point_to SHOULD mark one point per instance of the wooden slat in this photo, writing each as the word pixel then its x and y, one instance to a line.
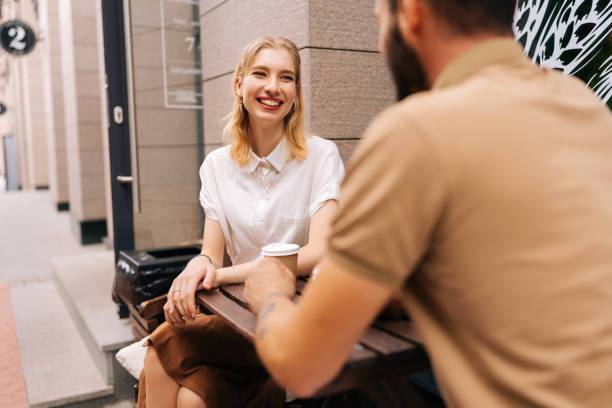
pixel 238 317
pixel 152 307
pixel 138 331
pixel 148 324
pixel 401 328
pixel 357 373
pixel 234 292
pixel 385 343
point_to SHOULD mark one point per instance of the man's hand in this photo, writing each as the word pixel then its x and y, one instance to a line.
pixel 180 305
pixel 267 278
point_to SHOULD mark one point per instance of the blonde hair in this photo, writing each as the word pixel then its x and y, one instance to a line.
pixel 236 131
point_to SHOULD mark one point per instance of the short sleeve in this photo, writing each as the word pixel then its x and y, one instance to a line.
pixel 209 196
pixel 328 176
pixel 392 198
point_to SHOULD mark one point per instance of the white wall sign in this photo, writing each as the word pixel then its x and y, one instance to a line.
pixel 180 32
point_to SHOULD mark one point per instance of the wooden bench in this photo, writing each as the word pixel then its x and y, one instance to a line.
pixel 389 346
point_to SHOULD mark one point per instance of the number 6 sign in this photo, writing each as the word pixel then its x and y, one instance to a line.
pixel 17 38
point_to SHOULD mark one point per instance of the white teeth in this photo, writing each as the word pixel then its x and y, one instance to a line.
pixel 269 102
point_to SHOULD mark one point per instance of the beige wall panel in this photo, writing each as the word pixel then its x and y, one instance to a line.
pixel 165 165
pixel 228 28
pixel 145 15
pixel 87 84
pixel 345 24
pixel 89 136
pixel 305 56
pixel 218 102
pixel 85 27
pixel 182 130
pixel 82 109
pixel 149 87
pixel 167 215
pixel 93 209
pixel 90 176
pixel 86 58
pixel 346 148
pixel 37 153
pixel 147 50
pixel 84 8
pixel 58 177
pixel 347 90
pixel 207 5
pixel 172 193
pixel 70 114
pixel 210 147
pixel 88 111
pixel 149 234
pixel 73 159
pixel 150 99
pixel 147 79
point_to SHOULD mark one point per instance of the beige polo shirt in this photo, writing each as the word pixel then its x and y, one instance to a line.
pixel 488 202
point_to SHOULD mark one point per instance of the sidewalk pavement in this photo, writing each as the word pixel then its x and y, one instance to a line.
pixel 31 233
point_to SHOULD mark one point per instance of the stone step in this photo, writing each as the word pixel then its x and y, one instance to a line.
pixel 58 368
pixel 85 282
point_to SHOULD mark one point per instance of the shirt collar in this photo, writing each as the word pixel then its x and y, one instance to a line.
pixel 471 61
pixel 277 158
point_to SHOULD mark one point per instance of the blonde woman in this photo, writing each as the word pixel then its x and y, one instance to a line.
pixel 272 183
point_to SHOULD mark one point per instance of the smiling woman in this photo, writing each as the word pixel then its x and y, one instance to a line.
pixel 269 72
pixel 272 184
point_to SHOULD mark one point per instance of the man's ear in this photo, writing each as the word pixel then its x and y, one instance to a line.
pixel 409 18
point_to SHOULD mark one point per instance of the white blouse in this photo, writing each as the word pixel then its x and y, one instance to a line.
pixel 270 199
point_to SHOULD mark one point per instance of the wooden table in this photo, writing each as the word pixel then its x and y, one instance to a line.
pixel 386 348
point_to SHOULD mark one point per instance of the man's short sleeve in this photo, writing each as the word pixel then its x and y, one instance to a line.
pixel 392 198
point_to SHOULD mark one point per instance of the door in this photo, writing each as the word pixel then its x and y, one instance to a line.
pixel 153 68
pixel 118 126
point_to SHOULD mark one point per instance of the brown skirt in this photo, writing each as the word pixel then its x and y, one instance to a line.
pixel 214 361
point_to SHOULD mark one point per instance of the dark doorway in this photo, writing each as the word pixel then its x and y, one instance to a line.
pixel 118 130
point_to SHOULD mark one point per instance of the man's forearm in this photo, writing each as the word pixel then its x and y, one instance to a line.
pixel 273 339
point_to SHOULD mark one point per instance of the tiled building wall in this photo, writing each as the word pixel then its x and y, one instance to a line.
pixel 168 139
pixel 82 122
pixel 34 123
pixel 54 101
pixel 345 79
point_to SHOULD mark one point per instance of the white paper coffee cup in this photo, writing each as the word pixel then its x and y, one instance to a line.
pixel 286 253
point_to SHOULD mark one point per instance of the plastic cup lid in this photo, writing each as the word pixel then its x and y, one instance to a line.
pixel 278 249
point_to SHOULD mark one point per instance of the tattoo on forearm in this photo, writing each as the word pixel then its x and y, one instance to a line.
pixel 269 307
pixel 261 319
pixel 266 311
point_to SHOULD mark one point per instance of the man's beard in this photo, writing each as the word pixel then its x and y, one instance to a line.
pixel 405 66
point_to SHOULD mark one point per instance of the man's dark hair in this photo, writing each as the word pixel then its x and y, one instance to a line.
pixel 472 16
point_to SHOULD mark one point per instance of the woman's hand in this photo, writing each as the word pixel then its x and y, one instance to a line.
pixel 180 304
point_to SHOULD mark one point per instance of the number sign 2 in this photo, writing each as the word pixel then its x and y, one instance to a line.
pixel 17 38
